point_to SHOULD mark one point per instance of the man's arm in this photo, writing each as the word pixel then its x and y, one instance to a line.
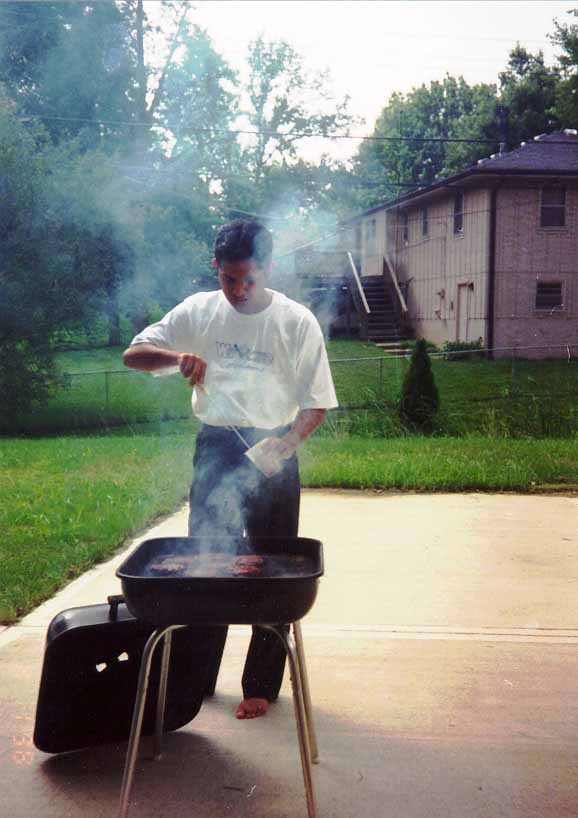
pixel 149 358
pixel 302 427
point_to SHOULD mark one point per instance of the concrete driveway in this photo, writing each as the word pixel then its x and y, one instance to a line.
pixel 442 654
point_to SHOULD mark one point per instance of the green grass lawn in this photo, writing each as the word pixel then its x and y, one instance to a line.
pixel 69 502
pixel 441 464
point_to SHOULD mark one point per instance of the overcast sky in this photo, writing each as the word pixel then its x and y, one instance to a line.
pixel 375 47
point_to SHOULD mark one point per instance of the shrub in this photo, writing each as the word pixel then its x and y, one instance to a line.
pixel 419 400
pixel 27 378
pixel 462 351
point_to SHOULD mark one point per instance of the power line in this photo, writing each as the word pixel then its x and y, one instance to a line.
pixel 274 134
pixel 186 196
pixel 450 216
pixel 14 11
pixel 447 218
pixel 11 26
pixel 430 36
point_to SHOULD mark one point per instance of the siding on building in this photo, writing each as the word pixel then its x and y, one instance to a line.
pixel 435 266
pixel 373 249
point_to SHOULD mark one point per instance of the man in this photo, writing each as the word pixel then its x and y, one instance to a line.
pixel 259 363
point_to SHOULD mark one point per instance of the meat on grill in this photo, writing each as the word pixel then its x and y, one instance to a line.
pixel 229 565
pixel 202 565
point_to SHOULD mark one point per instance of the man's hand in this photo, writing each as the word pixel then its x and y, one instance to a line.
pixel 282 447
pixel 305 424
pixel 150 358
pixel 192 367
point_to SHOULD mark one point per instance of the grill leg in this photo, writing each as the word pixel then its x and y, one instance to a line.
pixel 137 718
pixel 298 636
pixel 162 696
pixel 300 716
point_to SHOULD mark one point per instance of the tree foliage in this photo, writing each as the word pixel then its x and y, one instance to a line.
pixel 58 259
pixel 531 98
pixel 198 107
pixel 566 105
pixel 279 90
pixel 528 94
pixel 132 210
pixel 283 105
pixel 66 63
pixel 450 109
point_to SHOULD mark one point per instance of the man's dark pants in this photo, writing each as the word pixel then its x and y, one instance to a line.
pixel 230 496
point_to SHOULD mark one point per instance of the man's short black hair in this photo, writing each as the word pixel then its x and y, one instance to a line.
pixel 243 239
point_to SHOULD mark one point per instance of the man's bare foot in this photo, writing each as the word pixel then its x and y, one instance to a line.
pixel 251 708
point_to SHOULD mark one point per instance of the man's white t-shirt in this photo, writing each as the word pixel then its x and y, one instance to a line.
pixel 262 369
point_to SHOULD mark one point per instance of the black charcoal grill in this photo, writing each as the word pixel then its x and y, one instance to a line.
pixel 169 603
pixel 222 600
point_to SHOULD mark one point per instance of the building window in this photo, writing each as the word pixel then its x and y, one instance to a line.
pixel 424 222
pixel 549 295
pixel 405 225
pixel 553 207
pixel 459 212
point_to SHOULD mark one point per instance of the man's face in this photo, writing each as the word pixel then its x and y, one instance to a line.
pixel 243 283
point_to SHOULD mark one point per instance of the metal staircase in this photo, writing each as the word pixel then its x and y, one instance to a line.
pixel 381 307
pixel 383 324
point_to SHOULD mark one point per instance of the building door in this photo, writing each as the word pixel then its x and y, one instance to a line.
pixel 464 291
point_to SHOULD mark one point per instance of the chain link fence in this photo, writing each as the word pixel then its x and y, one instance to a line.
pixel 508 394
pixel 511 392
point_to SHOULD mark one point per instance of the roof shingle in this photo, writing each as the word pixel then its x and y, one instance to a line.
pixel 553 154
pixel 548 153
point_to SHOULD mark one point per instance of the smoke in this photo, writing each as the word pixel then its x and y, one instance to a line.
pixel 225 510
pixel 151 234
pixel 306 265
pixel 230 498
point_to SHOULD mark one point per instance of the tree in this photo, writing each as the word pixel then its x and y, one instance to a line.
pixel 278 92
pixel 141 144
pixel 442 110
pixel 66 63
pixel 267 177
pixel 86 68
pixel 173 251
pixel 419 400
pixel 58 259
pixel 483 123
pixel 25 368
pixel 566 104
pixel 198 108
pixel 447 109
pixel 530 100
pixel 528 90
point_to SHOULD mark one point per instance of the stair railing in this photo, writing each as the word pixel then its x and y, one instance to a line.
pixel 358 283
pixel 400 296
pixel 399 303
pixel 358 297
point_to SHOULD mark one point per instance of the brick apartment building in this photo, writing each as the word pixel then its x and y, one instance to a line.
pixel 490 253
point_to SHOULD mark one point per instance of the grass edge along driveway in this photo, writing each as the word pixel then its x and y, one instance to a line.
pixel 69 502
